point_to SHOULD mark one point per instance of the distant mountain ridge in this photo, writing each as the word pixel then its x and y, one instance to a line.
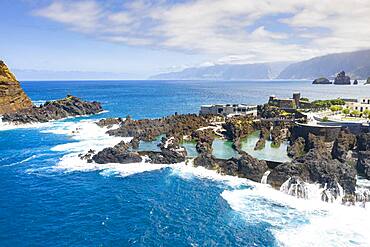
pixel 355 64
pixel 226 72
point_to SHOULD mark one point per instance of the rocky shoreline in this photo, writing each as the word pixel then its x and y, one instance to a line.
pixel 334 165
pixel 70 106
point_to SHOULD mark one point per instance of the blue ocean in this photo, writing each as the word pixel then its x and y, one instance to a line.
pixel 49 197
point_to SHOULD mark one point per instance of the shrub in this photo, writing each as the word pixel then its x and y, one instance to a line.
pixel 328 103
pixel 325 119
pixel 335 108
pixel 355 113
pixel 346 111
pixel 366 113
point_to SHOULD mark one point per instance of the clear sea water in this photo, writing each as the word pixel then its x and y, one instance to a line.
pixel 48 197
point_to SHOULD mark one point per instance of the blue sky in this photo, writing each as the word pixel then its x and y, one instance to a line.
pixel 135 39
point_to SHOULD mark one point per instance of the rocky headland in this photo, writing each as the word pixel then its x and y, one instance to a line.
pixel 17 108
pixel 70 106
pixel 12 96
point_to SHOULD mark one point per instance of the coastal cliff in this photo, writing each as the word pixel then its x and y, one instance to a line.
pixel 12 96
pixel 16 107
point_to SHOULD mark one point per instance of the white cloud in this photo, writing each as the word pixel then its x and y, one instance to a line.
pixel 231 29
pixel 82 16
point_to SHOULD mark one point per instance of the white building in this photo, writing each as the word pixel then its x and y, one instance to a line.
pixel 228 109
pixel 361 105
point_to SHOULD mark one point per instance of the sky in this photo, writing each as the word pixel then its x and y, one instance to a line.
pixel 136 39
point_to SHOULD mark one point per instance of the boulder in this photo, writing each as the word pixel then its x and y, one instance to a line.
pixel 276 136
pixel 109 122
pixel 363 164
pixel 205 160
pixel 321 80
pixel 297 148
pixel 265 132
pixel 345 142
pixel 363 142
pixel 342 79
pixel 165 156
pixel 245 166
pixel 135 142
pixel 117 154
pixel 355 82
pixel 260 144
pixel 251 168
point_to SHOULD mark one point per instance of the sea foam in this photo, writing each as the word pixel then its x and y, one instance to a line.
pixel 302 222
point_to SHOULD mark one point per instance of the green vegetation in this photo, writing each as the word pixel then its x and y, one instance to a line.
pixel 366 113
pixel 355 113
pixel 327 103
pixel 305 99
pixel 335 108
pixel 346 111
pixel 275 144
pixel 325 119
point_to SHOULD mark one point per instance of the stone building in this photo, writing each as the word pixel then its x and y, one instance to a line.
pixel 295 102
pixel 229 109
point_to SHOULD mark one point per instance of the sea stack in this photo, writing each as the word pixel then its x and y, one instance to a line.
pixel 12 96
pixel 321 80
pixel 342 79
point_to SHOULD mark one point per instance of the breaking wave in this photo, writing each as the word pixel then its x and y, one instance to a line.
pixel 302 222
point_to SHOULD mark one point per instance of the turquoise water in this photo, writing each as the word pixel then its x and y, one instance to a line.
pixel 222 149
pixel 49 197
pixel 151 146
pixel 190 149
pixel 269 152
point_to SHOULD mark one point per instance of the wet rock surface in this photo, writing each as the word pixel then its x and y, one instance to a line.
pixel 70 106
pixel 316 166
pixel 245 166
pixel 117 154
